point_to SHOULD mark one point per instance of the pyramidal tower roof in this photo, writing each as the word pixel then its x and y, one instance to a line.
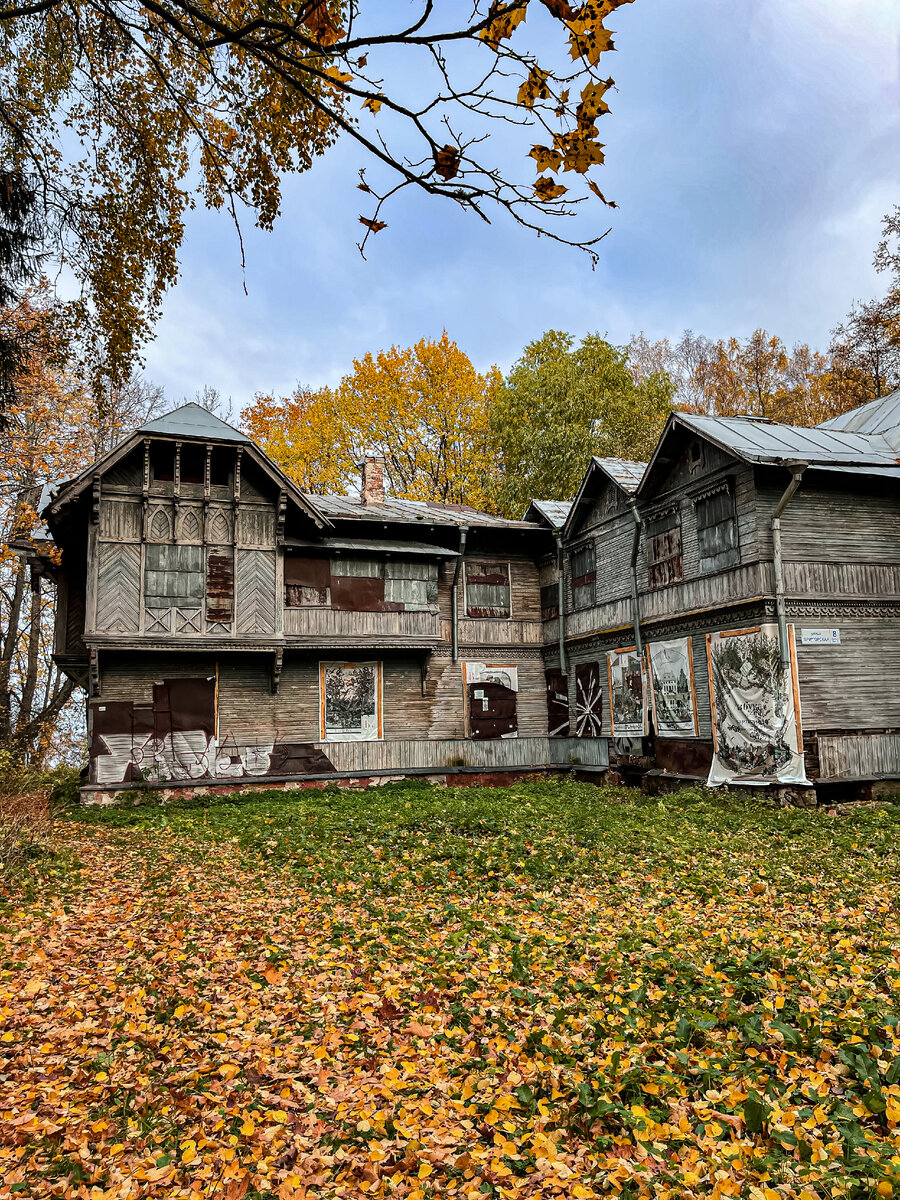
pixel 192 421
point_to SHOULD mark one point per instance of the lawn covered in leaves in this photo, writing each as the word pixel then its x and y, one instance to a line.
pixel 543 990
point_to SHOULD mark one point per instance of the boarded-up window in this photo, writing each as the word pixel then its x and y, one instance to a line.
pixel 717 537
pixel 162 462
pixel 491 700
pixel 174 576
pixel 583 566
pixel 220 587
pixel 487 589
pixel 557 704
pixel 307 582
pixel 549 601
pixel 664 560
pixel 588 700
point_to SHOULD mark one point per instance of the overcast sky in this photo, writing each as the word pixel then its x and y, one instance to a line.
pixel 752 147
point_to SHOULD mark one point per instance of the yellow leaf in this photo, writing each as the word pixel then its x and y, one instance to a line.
pixel 547 189
pixel 502 27
pixel 425 1170
pixel 248 1128
pixel 373 104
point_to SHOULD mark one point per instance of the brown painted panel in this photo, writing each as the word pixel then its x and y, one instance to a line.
pixel 220 587
pixel 307 572
pixel 357 593
pixel 557 704
pixel 183 705
pixel 688 757
pixel 115 718
pixel 588 700
pixel 493 713
pixel 298 758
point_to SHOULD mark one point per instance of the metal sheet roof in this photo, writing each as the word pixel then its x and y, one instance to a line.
pixel 553 511
pixel 624 471
pixel 411 512
pixel 377 544
pixel 762 441
pixel 878 416
pixel 190 420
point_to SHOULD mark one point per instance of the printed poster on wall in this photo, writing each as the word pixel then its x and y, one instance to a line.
pixel 757 736
pixel 350 702
pixel 672 688
pixel 625 670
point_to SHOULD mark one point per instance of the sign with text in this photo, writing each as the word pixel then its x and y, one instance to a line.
pixel 820 637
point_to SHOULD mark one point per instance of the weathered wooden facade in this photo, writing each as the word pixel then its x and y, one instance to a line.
pixel 228 627
pixel 741 525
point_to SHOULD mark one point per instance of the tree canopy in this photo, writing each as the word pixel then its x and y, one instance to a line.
pixel 563 402
pixel 425 410
pixel 121 116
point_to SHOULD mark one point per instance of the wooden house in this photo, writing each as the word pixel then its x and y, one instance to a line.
pixel 228 627
pixel 745 546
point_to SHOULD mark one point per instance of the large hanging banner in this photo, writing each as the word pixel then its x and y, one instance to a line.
pixel 350 702
pixel 625 669
pixel 757 736
pixel 672 688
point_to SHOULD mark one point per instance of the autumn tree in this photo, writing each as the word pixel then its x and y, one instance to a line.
pixel 121 116
pixel 425 410
pixel 686 362
pixel 867 344
pixel 561 403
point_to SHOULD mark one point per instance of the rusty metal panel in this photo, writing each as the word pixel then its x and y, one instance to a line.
pixel 588 700
pixel 298 758
pixel 557 704
pixel 358 594
pixel 220 587
pixel 307 572
pixel 492 711
pixel 487 589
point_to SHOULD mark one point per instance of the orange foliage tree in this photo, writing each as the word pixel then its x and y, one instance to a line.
pixel 425 410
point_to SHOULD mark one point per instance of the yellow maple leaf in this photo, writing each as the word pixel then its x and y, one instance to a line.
pixel 545 158
pixel 548 189
pixel 373 104
pixel 502 27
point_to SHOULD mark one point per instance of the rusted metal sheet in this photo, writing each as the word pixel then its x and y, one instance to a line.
pixel 219 587
pixel 688 757
pixel 487 589
pixel 492 711
pixel 298 758
pixel 359 593
pixel 557 704
pixel 307 582
pixel 588 700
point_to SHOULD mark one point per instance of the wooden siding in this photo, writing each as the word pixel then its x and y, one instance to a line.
pixel 844 580
pixel 118 588
pixel 851 686
pixel 395 755
pixel 589 752
pixel 831 526
pixel 495 632
pixel 362 628
pixel 255 591
pixel 859 755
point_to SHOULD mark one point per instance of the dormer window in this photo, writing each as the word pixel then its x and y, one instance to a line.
pixel 717 535
pixel 583 567
pixel 162 462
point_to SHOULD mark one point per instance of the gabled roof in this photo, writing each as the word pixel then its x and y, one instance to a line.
pixel 192 421
pixel 412 512
pixel 551 512
pixel 757 440
pixel 625 473
pixel 878 416
pixel 188 421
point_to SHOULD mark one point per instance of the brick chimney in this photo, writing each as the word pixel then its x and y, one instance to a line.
pixel 372 482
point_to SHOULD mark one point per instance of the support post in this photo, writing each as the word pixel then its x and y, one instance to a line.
pixel 635 601
pixel 454 594
pixel 796 470
pixel 561 601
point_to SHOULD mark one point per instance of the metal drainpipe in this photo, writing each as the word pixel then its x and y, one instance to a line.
pixel 561 601
pixel 635 606
pixel 454 594
pixel 796 470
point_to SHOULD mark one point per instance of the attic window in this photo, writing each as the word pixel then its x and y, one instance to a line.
pixel 193 463
pixel 610 501
pixel 664 549
pixel 162 462
pixel 695 457
pixel 221 467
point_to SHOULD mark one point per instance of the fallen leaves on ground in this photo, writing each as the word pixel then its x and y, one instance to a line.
pixel 546 990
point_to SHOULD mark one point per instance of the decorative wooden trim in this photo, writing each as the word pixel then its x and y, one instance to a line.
pixel 277 664
pixel 94 671
pixel 280 518
pixel 95 500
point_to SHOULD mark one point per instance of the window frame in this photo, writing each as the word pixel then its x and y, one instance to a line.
pixel 655 581
pixel 588 579
pixel 475 563
pixel 733 552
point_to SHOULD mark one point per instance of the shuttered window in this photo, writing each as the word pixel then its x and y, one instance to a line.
pixel 664 560
pixel 174 576
pixel 487 589
pixel 549 601
pixel 583 566
pixel 717 536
